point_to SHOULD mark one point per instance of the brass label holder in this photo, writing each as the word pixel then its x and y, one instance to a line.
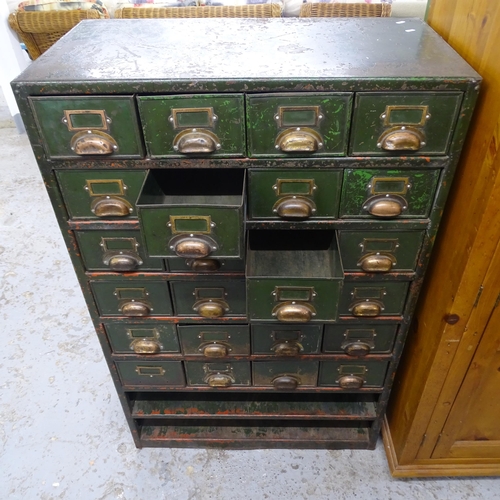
pixel 101 113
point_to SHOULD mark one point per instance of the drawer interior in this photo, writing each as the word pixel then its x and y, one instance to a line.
pixel 293 253
pixel 193 187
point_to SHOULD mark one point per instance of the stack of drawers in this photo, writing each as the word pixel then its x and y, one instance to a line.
pixel 250 238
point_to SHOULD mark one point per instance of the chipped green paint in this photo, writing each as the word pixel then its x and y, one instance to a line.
pixel 373 117
pixel 419 196
pixel 159 130
pixel 118 120
pixel 263 127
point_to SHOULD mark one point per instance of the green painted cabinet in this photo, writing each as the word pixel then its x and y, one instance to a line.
pixel 250 214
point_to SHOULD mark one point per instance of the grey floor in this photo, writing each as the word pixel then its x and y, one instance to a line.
pixel 62 431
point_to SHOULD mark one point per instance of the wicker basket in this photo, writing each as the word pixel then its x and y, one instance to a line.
pixel 345 10
pixel 40 30
pixel 252 10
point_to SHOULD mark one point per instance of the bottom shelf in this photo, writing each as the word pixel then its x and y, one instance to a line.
pixel 256 434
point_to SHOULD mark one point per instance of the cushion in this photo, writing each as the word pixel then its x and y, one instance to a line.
pixel 47 5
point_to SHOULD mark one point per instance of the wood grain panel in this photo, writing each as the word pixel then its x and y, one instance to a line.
pixel 438 354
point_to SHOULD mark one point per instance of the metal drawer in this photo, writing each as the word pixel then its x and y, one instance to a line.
pixel 352 375
pixel 132 297
pixel 359 339
pixel 209 299
pixel 298 124
pixel 151 373
pixel 404 123
pixel 285 375
pixel 293 276
pixel 215 341
pixel 88 126
pixel 294 194
pixel 365 299
pixel 193 213
pixel 193 125
pixel 142 337
pixel 380 251
pixel 388 194
pixel 100 194
pixel 286 340
pixel 218 375
pixel 115 250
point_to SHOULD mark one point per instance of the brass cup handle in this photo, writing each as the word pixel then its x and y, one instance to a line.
pixel 377 262
pixel 203 265
pixel 211 308
pixel 287 349
pixel 299 140
pixel 295 312
pixel 219 380
pixel 121 260
pixel 357 348
pixel 285 383
pixel 294 207
pixel 110 206
pixel 196 141
pixel 93 142
pixel 351 382
pixel 367 308
pixel 385 205
pixel 145 346
pixel 214 350
pixel 192 246
pixel 135 308
pixel 405 138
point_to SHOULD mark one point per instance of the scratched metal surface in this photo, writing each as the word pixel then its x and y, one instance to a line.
pixel 247 50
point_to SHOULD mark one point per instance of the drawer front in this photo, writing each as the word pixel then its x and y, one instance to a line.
pixel 132 298
pixel 151 373
pixel 219 375
pixel 294 194
pixel 288 300
pixel 209 299
pixel 373 299
pixel 82 127
pixel 352 375
pixel 285 375
pixel 286 340
pixel 380 251
pixel 100 194
pixel 208 125
pixel 193 213
pixel 145 337
pixel 298 124
pixel 359 340
pixel 215 341
pixel 420 123
pixel 119 251
pixel 388 194
pixel 206 266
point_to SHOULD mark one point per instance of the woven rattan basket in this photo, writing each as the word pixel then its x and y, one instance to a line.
pixel 40 30
pixel 345 10
pixel 254 10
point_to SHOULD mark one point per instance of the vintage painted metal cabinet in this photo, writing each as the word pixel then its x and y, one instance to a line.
pixel 250 207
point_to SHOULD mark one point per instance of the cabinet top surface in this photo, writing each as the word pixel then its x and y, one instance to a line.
pixel 236 50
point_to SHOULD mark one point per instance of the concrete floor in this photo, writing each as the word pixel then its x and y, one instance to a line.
pixel 62 431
